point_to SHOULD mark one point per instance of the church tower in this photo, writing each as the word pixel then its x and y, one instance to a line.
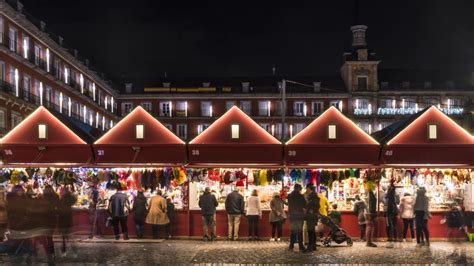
pixel 359 69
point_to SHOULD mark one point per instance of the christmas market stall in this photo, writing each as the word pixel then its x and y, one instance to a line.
pixel 142 154
pixel 234 153
pixel 333 153
pixel 429 150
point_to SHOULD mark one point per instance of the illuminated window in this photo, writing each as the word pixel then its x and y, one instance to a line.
pixel 432 132
pixel 235 131
pixel 42 131
pixel 332 132
pixel 140 131
pixel 299 108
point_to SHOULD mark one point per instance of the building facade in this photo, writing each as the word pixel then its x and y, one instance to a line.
pixel 37 68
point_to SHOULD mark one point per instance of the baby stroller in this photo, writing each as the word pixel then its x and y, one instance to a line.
pixel 337 234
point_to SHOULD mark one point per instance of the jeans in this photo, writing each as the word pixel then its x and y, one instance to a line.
pixel 123 223
pixel 209 220
pixel 421 227
pixel 169 228
pixel 311 224
pixel 296 232
pixel 95 222
pixel 253 225
pixel 408 223
pixel 139 225
pixel 362 228
pixel 392 226
pixel 233 225
pixel 277 225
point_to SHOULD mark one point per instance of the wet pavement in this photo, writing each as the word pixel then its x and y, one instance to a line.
pixel 194 252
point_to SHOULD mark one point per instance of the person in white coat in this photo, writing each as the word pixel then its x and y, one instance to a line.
pixel 407 213
pixel 254 214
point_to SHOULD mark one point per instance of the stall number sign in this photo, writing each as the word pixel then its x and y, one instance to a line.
pixel 100 152
pixel 8 152
pixel 291 153
pixel 388 153
pixel 195 152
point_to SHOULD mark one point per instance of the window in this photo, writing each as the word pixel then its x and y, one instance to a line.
pixel 13 35
pixel 37 55
pixel 432 132
pixel 229 104
pixel 298 128
pixel 2 71
pixel 299 108
pixel 15 119
pixel 317 107
pixel 246 107
pixel 387 103
pixel 279 107
pixel 139 131
pixel 332 134
pixel 453 103
pixel 431 102
pixel 235 134
pixel 26 87
pixel 2 119
pixel 1 29
pixel 169 127
pixel 146 106
pixel 165 108
pixel 126 108
pixel 278 131
pixel 264 108
pixel 42 131
pixel 206 109
pixel 201 128
pixel 182 131
pixel 265 126
pixel 11 75
pixel 48 91
pixel 361 83
pixel 26 46
pixel 361 103
pixel 182 108
pixel 37 92
pixel 57 69
pixel 336 104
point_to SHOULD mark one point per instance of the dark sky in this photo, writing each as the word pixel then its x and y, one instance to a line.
pixel 143 39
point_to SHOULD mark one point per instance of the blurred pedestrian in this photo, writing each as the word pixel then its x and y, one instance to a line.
pixel 156 216
pixel 392 212
pixel 296 211
pixel 3 214
pixel 454 220
pixel 371 215
pixel 234 205
pixel 65 218
pixel 139 211
pixel 421 218
pixel 95 216
pixel 277 216
pixel 407 214
pixel 119 207
pixel 311 217
pixel 359 209
pixel 254 214
pixel 171 215
pixel 208 204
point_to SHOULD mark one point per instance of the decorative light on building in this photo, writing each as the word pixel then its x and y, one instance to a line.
pixel 394 103
pixel 380 126
pixel 340 106
pixel 112 104
pixel 357 103
pixel 41 92
pixel 111 124
pixel 103 123
pixel 269 105
pixel 61 102
pixel 47 59
pixel 305 109
pixel 66 75
pixel 210 111
pixel 69 106
pixel 81 83
pixel 370 108
pixel 17 82
pixel 186 108
pixel 291 131
pixel 171 108
pixel 93 91
pixel 370 128
pixel 84 112
pixel 449 104
pixel 91 119
pixel 273 130
pixel 416 107
pixel 106 102
pixel 97 119
pixel 25 48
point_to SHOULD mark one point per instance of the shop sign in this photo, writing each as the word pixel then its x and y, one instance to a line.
pixel 8 152
pixel 100 152
pixel 291 153
pixel 389 153
pixel 195 152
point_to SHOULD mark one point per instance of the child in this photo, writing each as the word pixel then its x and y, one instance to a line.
pixel 335 215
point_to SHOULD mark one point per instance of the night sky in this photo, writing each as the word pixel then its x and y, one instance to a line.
pixel 143 39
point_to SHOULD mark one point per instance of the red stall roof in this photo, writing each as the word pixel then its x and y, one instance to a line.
pixel 139 139
pixel 332 140
pixel 235 140
pixel 41 139
pixel 430 138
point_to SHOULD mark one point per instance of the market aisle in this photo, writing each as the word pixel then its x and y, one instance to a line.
pixel 186 251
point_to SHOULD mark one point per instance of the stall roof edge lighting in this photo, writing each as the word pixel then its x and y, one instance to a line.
pixel 5 140
pixel 221 119
pixel 147 116
pixel 323 115
pixel 425 112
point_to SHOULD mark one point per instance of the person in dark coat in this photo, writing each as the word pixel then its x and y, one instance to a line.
pixel 208 204
pixel 234 205
pixel 119 207
pixel 139 210
pixel 392 211
pixel 296 211
pixel 312 211
pixel 170 213
pixel 371 215
pixel 95 215
pixel 65 216
pixel 359 209
pixel 17 204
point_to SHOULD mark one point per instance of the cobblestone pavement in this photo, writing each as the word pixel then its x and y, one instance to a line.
pixel 193 251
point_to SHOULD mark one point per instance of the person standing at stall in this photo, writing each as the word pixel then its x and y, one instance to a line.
pixel 208 204
pixel 407 214
pixel 157 213
pixel 323 209
pixel 234 205
pixel 371 215
pixel 44 212
pixel 3 213
pixel 65 217
pixel 254 214
pixel 359 209
pixel 312 211
pixel 296 211
pixel 277 216
pixel 139 210
pixel 305 224
pixel 170 213
pixel 119 207
pixel 421 211
pixel 94 213
pixel 392 212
